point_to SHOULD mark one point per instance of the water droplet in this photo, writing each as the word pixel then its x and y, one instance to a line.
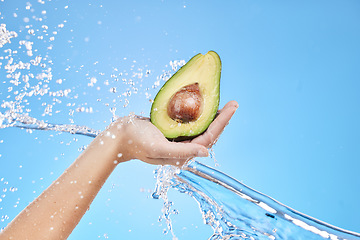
pixel 82 148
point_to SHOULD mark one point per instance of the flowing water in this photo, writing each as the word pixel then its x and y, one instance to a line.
pixel 236 211
pixel 233 210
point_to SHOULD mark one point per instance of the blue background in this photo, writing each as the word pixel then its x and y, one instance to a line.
pixel 293 67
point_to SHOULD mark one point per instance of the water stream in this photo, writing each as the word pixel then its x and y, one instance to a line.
pixel 232 209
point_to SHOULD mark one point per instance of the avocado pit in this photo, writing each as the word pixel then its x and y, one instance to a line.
pixel 185 105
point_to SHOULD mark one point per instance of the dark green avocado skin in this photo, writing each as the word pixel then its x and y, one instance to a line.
pixel 183 138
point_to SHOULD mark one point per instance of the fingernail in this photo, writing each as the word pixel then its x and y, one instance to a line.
pixel 203 153
pixel 236 105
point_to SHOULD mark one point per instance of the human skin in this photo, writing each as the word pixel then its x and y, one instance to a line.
pixel 57 211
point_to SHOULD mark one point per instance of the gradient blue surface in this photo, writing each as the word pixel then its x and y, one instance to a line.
pixel 293 67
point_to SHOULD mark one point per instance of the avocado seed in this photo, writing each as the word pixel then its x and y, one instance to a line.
pixel 185 105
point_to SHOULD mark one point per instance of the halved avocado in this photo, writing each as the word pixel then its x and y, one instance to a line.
pixel 187 103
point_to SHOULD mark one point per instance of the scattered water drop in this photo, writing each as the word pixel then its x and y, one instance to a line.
pixel 82 148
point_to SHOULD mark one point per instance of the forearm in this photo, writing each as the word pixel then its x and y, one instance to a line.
pixel 56 212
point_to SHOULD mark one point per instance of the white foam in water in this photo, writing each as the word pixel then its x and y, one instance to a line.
pixel 233 210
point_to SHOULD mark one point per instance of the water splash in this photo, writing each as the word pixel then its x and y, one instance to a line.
pixel 164 181
pixel 236 211
pixel 23 121
pixel 5 35
pixel 232 209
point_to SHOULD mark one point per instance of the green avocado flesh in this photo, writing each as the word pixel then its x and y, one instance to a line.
pixel 198 81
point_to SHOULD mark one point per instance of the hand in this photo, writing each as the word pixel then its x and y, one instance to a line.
pixel 212 134
pixel 127 138
pixel 142 140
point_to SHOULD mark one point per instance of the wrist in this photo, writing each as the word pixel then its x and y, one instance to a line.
pixel 111 141
pixel 117 138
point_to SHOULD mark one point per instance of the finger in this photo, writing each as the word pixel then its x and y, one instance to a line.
pixel 142 118
pixel 220 122
pixel 224 117
pixel 168 161
pixel 175 150
pixel 229 105
pixel 217 126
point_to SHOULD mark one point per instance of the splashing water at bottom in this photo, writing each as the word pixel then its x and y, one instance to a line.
pixel 235 211
pixel 164 180
pixel 232 209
